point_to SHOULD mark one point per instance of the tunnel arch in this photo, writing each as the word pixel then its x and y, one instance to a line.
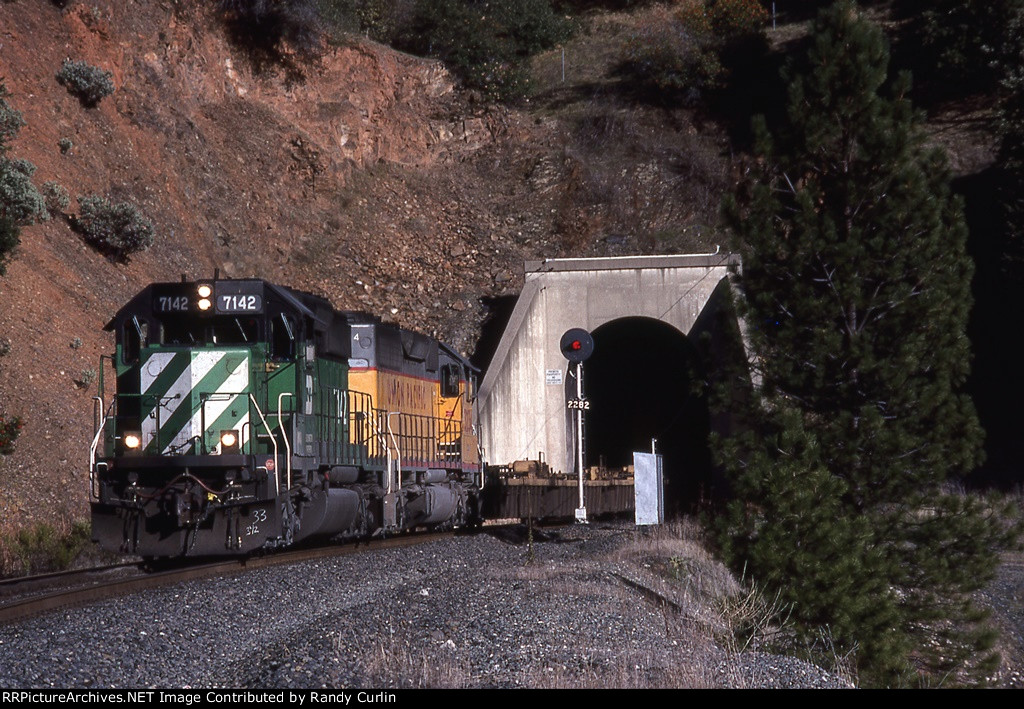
pixel 646 380
pixel 521 402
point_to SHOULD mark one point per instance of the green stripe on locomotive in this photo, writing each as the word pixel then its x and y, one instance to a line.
pixel 187 396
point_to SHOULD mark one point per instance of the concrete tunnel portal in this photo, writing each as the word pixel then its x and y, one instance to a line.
pixel 659 325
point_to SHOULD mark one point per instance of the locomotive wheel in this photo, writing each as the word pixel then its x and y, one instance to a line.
pixel 400 518
pixel 289 522
pixel 459 520
pixel 361 527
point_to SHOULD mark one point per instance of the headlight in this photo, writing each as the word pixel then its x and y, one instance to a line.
pixel 132 441
pixel 229 442
pixel 204 291
pixel 204 304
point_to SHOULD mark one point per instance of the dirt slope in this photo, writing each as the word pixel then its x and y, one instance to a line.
pixel 372 180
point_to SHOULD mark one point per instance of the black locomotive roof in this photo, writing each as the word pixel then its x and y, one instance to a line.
pixel 315 307
pixel 305 304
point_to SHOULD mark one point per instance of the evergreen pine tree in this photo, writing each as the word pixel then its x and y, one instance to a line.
pixel 855 291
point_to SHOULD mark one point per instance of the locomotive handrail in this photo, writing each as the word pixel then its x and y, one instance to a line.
pixel 284 434
pixel 398 451
pixel 242 438
pixel 423 440
pixel 93 491
pixel 97 413
pixel 273 440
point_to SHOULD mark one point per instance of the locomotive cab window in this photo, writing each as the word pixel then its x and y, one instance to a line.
pixel 235 331
pixel 176 331
pixel 133 340
pixel 450 381
pixel 282 337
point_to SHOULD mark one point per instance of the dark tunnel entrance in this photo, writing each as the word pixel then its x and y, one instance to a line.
pixel 644 381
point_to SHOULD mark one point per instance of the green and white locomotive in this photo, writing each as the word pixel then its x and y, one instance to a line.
pixel 248 415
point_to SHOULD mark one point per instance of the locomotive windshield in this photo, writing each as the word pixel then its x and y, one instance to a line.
pixel 218 330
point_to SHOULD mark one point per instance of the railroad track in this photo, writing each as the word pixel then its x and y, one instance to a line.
pixel 100 589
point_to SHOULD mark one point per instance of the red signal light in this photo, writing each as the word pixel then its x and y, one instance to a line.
pixel 576 344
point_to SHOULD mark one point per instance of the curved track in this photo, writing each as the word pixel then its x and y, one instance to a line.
pixel 100 589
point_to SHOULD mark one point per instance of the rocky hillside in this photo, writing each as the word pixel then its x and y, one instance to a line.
pixel 371 179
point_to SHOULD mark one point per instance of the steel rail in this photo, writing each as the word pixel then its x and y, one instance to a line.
pixel 102 590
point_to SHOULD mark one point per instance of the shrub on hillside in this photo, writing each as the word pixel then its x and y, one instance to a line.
pixel 9 430
pixel 382 20
pixel 56 198
pixel 677 55
pixel 20 201
pixel 10 123
pixel 8 241
pixel 11 120
pixel 956 48
pixel 668 60
pixel 737 18
pixel 89 83
pixel 117 229
pixel 40 548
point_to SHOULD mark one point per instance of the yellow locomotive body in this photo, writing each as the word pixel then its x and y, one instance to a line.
pixel 425 390
pixel 438 427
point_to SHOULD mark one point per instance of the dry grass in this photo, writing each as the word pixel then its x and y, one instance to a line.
pixel 396 663
pixel 676 551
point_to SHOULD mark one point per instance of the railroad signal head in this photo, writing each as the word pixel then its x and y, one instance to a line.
pixel 576 345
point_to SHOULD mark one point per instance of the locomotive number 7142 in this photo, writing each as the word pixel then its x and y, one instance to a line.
pixel 237 303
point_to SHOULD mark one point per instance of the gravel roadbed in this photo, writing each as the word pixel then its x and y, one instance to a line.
pixel 471 611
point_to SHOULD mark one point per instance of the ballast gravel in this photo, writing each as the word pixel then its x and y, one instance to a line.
pixel 469 611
